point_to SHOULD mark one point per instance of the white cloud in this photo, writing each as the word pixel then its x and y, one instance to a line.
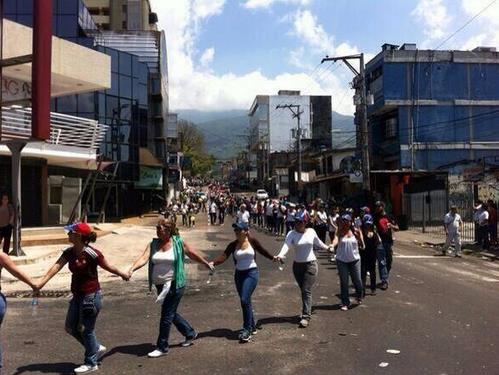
pixel 487 22
pixel 207 57
pixel 193 86
pixel 306 27
pixel 264 4
pixel 435 18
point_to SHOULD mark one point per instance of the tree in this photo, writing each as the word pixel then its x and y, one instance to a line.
pixel 192 145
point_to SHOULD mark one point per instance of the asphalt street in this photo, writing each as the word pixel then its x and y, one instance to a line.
pixel 439 312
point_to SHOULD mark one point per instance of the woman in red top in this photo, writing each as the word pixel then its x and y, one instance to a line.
pixel 86 303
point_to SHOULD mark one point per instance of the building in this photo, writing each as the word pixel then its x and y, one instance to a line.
pixel 431 110
pixel 52 170
pixel 120 15
pixel 273 130
pixel 134 108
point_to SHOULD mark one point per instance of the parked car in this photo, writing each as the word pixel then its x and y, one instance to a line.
pixel 261 194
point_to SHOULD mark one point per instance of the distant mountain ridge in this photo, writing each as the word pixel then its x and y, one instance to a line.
pixel 226 132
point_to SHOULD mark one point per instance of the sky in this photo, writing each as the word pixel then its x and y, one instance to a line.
pixel 222 53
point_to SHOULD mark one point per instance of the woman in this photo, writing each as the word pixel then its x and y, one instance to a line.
pixel 6 222
pixel 243 250
pixel 321 223
pixel 165 255
pixel 348 241
pixel 9 265
pixel 368 256
pixel 86 303
pixel 305 269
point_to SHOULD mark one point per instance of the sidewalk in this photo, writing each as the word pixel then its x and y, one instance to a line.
pixel 121 244
pixel 434 242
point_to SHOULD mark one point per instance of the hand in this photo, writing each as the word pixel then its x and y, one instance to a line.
pixel 125 276
pixel 275 259
pixel 331 249
pixel 36 291
pixel 211 266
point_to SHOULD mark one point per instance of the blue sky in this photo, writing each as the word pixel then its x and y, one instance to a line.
pixel 224 52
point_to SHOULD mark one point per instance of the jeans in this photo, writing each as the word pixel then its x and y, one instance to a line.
pixel 213 218
pixel 246 282
pixel 221 216
pixel 290 225
pixel 389 255
pixel 5 234
pixel 305 276
pixel 80 323
pixel 3 310
pixel 169 315
pixel 381 255
pixel 344 270
pixel 483 239
pixel 279 225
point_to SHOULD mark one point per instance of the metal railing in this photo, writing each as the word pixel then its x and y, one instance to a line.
pixel 65 130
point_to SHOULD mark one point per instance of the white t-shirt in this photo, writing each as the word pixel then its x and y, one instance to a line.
pixel 162 272
pixel 303 245
pixel 348 249
pixel 333 218
pixel 290 216
pixel 269 210
pixel 483 217
pixel 452 222
pixel 321 217
pixel 213 208
pixel 243 217
pixel 245 259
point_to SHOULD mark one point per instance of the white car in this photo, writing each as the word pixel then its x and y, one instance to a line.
pixel 261 194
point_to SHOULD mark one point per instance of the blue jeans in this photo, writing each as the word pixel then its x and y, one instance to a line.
pixel 169 315
pixel 351 269
pixel 246 282
pixel 383 271
pixel 3 310
pixel 80 323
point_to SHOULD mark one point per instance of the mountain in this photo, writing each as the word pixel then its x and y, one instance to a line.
pixel 226 132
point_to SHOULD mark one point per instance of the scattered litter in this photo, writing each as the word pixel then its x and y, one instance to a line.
pixel 29 342
pixel 440 312
pixel 383 364
pixel 354 334
pixel 397 291
pixel 323 297
pixel 302 335
pixel 343 334
pixel 393 351
pixel 197 290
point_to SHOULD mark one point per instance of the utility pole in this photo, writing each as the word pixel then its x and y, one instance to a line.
pixel 296 114
pixel 360 84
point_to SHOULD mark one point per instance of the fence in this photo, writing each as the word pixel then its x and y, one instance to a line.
pixel 425 212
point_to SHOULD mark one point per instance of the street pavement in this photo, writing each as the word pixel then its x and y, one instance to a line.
pixel 439 312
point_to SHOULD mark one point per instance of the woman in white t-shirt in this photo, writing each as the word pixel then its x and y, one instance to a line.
pixel 244 250
pixel 305 269
pixel 348 241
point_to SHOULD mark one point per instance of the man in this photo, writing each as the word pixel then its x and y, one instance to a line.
pixel 243 216
pixel 483 226
pixel 385 226
pixel 213 212
pixel 453 226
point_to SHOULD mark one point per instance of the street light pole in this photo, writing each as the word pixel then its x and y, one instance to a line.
pixel 360 81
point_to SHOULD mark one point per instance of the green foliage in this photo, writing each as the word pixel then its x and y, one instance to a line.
pixel 192 145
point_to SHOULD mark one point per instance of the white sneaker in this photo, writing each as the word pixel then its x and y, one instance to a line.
pixel 83 369
pixel 156 353
pixel 344 308
pixel 100 352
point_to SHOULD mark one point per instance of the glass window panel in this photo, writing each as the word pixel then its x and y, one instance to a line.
pixel 86 102
pixel 124 134
pixel 112 107
pixel 68 6
pixel 102 105
pixel 89 115
pixel 66 104
pixel 24 6
pixel 114 59
pixel 136 65
pixel 125 87
pixel 142 94
pixel 125 154
pixel 9 6
pixel 26 20
pixel 67 26
pixel 125 63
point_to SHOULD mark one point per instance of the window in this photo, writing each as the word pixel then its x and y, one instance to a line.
pixel 391 128
pixel 56 195
pixel 67 26
pixel 86 102
pixel 126 64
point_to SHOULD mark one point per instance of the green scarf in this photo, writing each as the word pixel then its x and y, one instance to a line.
pixel 178 262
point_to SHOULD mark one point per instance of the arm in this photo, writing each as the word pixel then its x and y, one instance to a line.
pixel 335 241
pixel 285 247
pixel 196 257
pixel 318 243
pixel 110 268
pixel 224 256
pixel 141 260
pixel 61 262
pixel 15 271
pixel 360 238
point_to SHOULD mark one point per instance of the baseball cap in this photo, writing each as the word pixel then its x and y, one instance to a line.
pixel 80 228
pixel 240 226
pixel 301 216
pixel 365 210
pixel 368 219
pixel 346 217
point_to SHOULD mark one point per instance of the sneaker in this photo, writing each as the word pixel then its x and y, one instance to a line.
pixel 100 352
pixel 189 341
pixel 373 292
pixel 359 301
pixel 384 285
pixel 83 369
pixel 244 336
pixel 156 353
pixel 304 323
pixel 254 330
pixel 458 255
pixel 344 308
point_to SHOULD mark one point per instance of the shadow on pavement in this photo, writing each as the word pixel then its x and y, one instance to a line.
pixel 278 320
pixel 48 368
pixel 220 332
pixel 139 350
